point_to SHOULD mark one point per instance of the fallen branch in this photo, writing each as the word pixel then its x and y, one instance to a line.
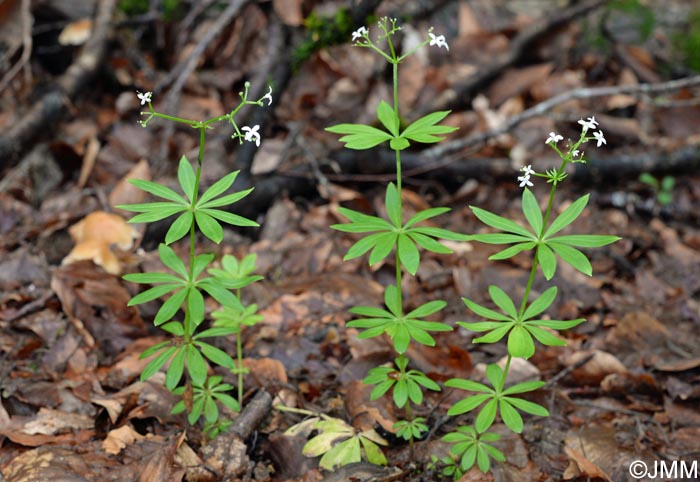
pixel 49 109
pixel 545 106
pixel 26 49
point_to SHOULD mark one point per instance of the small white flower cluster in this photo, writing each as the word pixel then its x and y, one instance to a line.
pixel 359 33
pixel 525 178
pixel 252 134
pixel 591 124
pixel 586 125
pixel 438 40
pixel 268 96
pixel 144 98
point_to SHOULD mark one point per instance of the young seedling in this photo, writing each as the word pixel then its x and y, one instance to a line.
pixel 186 352
pixel 522 324
pixel 404 237
pixel 663 189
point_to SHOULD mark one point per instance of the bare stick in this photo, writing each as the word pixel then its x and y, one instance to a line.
pixel 26 49
pixel 547 105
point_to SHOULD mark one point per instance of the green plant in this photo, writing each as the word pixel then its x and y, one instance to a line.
pixel 686 42
pixel 187 352
pixel 338 442
pixel 520 323
pixel 663 189
pixel 405 238
pixel 140 7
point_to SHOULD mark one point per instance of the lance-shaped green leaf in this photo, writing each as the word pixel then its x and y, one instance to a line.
pixel 425 130
pixel 406 383
pixel 223 200
pixel 186 178
pixel 158 190
pixel 360 136
pixel 584 240
pixel 151 212
pixel 520 330
pixel 218 188
pixel 499 222
pixel 171 260
pixel 572 256
pixel 176 369
pixel 165 351
pixel 425 215
pixel 393 205
pixel 409 255
pixel 470 447
pixel 179 227
pixel 229 218
pixel 568 216
pixel 387 116
pixel 496 400
pixel 400 328
pixel 532 211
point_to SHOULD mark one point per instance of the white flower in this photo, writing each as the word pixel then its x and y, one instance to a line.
pixel 144 98
pixel 575 153
pixel 268 96
pixel 524 180
pixel 527 170
pixel 590 123
pixel 359 33
pixel 439 41
pixel 252 135
pixel 553 138
pixel 599 137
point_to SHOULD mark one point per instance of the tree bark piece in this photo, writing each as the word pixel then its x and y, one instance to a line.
pixel 227 453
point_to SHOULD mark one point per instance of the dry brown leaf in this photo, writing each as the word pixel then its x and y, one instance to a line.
pixel 104 227
pixel 289 11
pixel 92 149
pixel 266 370
pixel 518 81
pixel 581 466
pixel 76 33
pixel 52 422
pixel 93 236
pixel 186 457
pixel 119 438
pixel 97 252
pixel 365 413
pixel 597 368
pixel 126 193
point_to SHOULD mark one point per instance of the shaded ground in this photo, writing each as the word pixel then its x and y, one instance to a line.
pixel 625 388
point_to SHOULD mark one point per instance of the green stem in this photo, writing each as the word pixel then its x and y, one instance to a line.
pixel 193 202
pixel 395 72
pixel 535 262
pixel 239 356
pixel 506 369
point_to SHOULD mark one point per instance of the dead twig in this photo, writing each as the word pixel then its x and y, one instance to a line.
pixel 27 22
pixel 47 111
pixel 545 106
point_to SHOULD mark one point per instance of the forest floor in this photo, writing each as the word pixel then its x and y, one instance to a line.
pixel 625 388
